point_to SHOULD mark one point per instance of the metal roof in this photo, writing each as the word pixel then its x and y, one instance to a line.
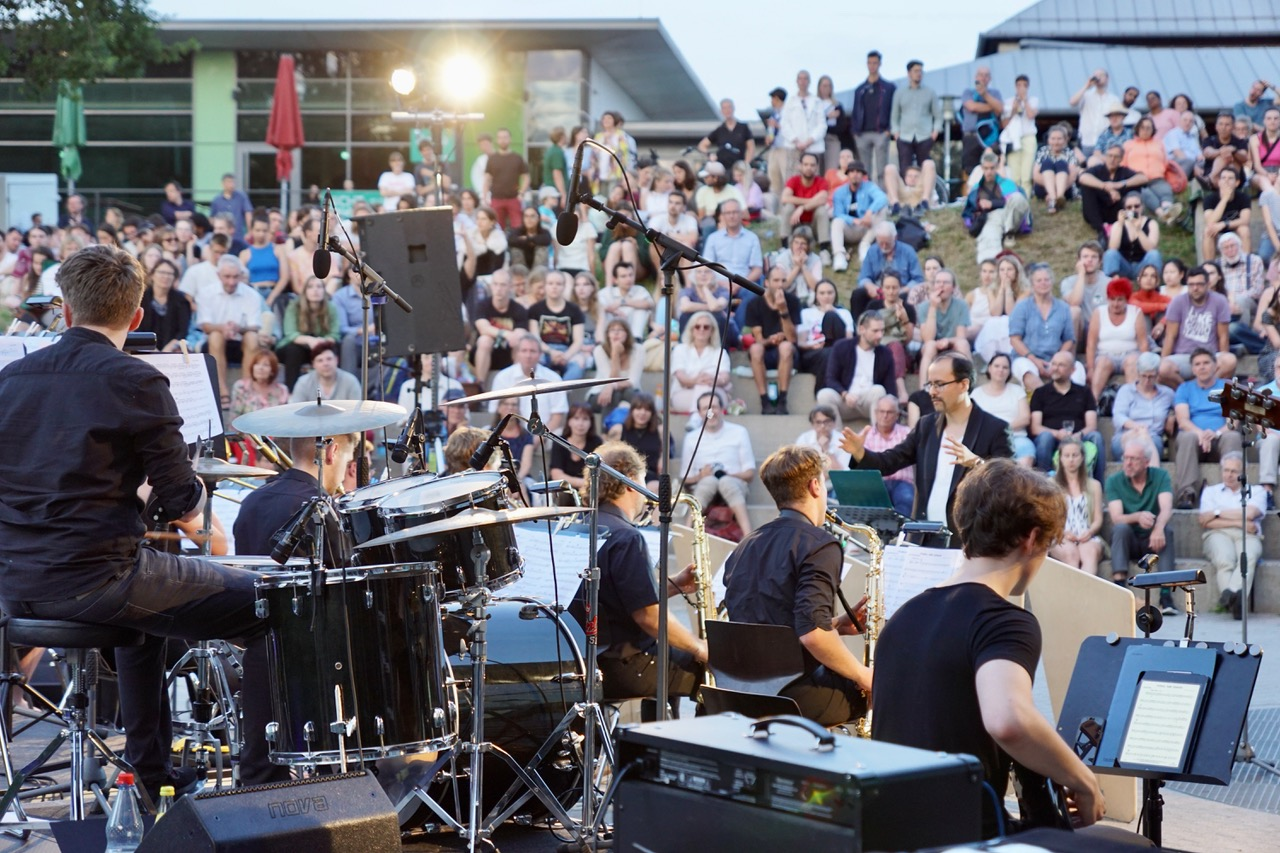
pixel 1215 78
pixel 628 50
pixel 1143 21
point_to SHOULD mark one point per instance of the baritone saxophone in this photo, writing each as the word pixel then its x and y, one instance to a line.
pixel 704 600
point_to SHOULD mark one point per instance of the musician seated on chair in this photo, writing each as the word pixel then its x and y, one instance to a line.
pixel 269 507
pixel 628 604
pixel 954 665
pixel 787 573
pixel 71 520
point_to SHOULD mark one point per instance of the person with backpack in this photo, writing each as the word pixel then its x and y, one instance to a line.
pixel 981 108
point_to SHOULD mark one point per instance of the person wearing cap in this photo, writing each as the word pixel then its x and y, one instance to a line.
pixel 1142 409
pixel 1115 133
pixel 804 201
pixel 715 190
pixel 549 208
pixel 1133 242
pixel 859 205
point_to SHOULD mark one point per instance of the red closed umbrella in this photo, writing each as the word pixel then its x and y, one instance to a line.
pixel 284 128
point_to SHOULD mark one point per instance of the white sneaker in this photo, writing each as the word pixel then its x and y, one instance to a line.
pixel 826 258
pixel 841 262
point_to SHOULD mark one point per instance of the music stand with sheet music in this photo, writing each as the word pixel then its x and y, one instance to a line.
pixel 1160 710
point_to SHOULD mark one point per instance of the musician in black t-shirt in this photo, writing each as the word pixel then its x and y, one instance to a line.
pixel 786 573
pixel 628 606
pixel 954 666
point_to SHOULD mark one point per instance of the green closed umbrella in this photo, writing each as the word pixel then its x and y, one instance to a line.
pixel 68 131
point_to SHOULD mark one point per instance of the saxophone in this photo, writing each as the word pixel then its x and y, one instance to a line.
pixel 704 600
pixel 874 591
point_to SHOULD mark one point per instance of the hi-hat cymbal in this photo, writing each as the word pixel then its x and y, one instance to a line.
pixel 331 417
pixel 210 467
pixel 529 387
pixel 472 518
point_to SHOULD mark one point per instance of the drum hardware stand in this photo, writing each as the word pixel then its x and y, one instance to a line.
pixel 672 252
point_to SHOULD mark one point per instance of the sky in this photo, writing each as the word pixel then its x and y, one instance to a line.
pixel 737 62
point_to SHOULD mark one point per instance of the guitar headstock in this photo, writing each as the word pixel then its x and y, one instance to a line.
pixel 1242 404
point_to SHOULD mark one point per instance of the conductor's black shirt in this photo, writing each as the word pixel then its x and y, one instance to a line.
pixel 785 572
pixel 81 426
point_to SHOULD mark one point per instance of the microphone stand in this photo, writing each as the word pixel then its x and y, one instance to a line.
pixel 673 251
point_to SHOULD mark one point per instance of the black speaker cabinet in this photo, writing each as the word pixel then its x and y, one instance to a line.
pixel 337 814
pixel 414 251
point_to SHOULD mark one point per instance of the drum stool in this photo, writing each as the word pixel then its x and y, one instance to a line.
pixel 81 642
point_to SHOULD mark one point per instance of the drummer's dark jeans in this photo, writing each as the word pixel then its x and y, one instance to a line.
pixel 185 598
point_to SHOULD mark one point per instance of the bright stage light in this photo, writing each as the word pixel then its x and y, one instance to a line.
pixel 403 80
pixel 462 77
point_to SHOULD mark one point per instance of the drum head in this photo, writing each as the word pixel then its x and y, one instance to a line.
pixel 445 491
pixel 375 492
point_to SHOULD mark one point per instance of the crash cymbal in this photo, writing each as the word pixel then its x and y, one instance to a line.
pixel 529 387
pixel 331 417
pixel 210 467
pixel 469 519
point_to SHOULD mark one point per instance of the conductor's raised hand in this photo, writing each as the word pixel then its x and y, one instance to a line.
pixel 854 443
pixel 963 456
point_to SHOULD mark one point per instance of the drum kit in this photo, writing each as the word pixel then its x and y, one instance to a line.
pixel 403 658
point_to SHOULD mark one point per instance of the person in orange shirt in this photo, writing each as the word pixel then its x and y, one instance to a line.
pixel 1145 154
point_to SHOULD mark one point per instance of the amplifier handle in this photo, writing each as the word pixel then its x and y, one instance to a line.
pixel 826 740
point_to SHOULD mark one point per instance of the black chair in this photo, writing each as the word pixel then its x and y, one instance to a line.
pixel 81 642
pixel 752 658
pixel 719 700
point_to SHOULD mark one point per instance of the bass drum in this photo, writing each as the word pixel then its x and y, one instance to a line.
pixel 533 677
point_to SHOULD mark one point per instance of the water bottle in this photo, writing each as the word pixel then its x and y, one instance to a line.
pixel 772 390
pixel 166 800
pixel 124 826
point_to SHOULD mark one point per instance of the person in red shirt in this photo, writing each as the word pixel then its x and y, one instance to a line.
pixel 804 202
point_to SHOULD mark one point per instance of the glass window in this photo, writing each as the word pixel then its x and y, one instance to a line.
pixel 126 167
pixel 138 128
pixel 552 103
pixel 323 166
pixel 27 127
pixel 553 64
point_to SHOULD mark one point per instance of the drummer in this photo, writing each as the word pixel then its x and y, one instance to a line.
pixel 268 508
pixel 71 522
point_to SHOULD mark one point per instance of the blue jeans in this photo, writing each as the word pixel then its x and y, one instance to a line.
pixel 902 494
pixel 1046 444
pixel 188 599
pixel 1114 263
pixel 571 370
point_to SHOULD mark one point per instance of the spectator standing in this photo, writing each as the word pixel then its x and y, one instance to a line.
pixel 174 206
pixel 307 321
pixel 915 119
pixel 859 205
pixel 980 118
pixel 859 371
pixel 506 181
pixel 719 460
pixel 234 203
pixel 1117 336
pixel 837 121
pixel 1196 319
pixel 1225 532
pixel 1203 433
pixel 731 140
pixel 555 169
pixel 1039 327
pixel 480 165
pixel 1061 409
pixel 1092 100
pixel 775 143
pixel 395 182
pixel 1008 402
pixel 1140 503
pixel 613 137
pixel 1133 242
pixel 1081 547
pixel 1019 133
pixel 870 122
pixel 802 128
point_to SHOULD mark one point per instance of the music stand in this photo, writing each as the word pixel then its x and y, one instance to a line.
pixel 1160 710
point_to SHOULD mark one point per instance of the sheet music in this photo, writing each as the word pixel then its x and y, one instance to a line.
pixel 192 390
pixel 1160 722
pixel 572 552
pixel 907 572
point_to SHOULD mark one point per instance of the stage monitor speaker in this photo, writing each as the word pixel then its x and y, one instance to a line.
pixel 337 814
pixel 414 251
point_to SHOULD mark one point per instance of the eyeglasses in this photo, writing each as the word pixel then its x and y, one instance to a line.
pixel 929 386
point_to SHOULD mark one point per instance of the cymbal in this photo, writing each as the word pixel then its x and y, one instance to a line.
pixel 529 387
pixel 472 518
pixel 331 417
pixel 210 467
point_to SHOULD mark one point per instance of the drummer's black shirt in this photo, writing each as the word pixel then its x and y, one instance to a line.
pixel 626 585
pixel 266 509
pixel 926 660
pixel 81 425
pixel 785 572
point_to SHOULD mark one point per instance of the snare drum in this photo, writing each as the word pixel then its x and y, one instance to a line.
pixel 359 509
pixel 441 499
pixel 395 682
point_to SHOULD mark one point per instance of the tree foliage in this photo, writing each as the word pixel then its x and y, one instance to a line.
pixel 45 41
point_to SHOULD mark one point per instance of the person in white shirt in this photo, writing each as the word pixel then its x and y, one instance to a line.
pixel 1019 133
pixel 395 183
pixel 677 223
pixel 231 318
pixel 803 126
pixel 527 352
pixel 1092 100
pixel 698 361
pixel 200 281
pixel 627 301
pixel 1220 509
pixel 824 437
pixel 719 460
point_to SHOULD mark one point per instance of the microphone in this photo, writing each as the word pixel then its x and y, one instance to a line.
pixel 400 450
pixel 567 224
pixel 321 260
pixel 481 457
pixel 287 539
